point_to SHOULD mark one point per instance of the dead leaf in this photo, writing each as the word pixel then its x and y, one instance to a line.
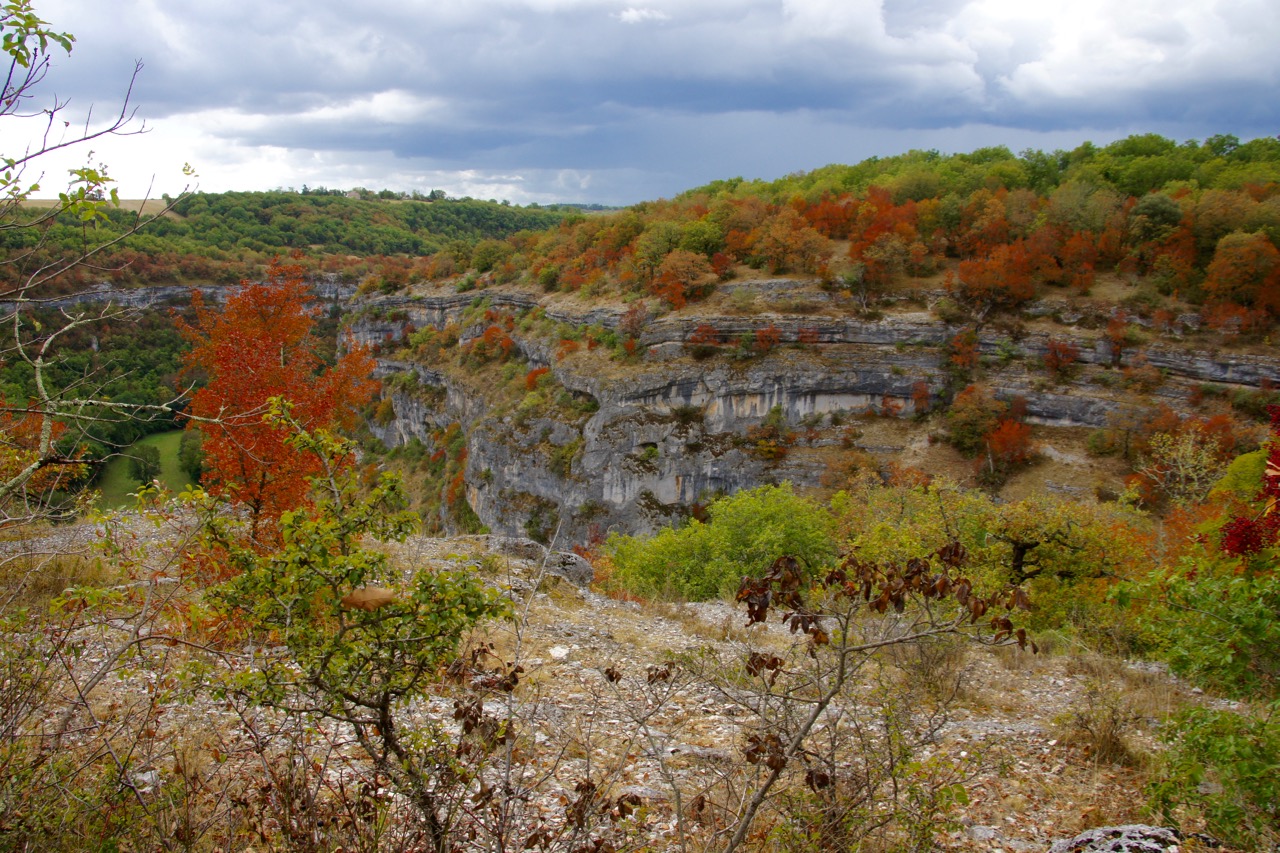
pixel 368 598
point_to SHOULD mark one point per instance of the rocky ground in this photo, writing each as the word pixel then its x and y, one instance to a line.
pixel 1045 745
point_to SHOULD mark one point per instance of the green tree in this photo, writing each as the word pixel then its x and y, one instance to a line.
pixel 144 462
pixel 352 641
pixel 191 453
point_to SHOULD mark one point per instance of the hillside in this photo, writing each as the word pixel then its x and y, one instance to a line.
pixel 534 400
pixel 958 745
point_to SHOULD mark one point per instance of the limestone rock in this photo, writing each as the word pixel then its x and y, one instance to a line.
pixel 1131 838
pixel 563 564
pixel 660 436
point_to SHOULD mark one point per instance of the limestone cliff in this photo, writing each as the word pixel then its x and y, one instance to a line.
pixel 629 442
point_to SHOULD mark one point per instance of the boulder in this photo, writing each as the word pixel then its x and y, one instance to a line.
pixel 565 564
pixel 1131 838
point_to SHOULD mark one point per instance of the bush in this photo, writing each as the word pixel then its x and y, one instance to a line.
pixel 1221 765
pixel 1218 623
pixel 745 533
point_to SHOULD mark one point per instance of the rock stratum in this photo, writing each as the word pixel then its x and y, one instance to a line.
pixel 715 398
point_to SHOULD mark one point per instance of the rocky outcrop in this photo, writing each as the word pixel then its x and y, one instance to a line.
pixel 326 289
pixel 564 564
pixel 1131 838
pixel 669 432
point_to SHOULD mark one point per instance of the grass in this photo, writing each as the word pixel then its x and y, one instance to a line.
pixel 117 483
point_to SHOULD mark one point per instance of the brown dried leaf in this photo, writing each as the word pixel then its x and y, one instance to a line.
pixel 697 806
pixel 1018 598
pixel 817 779
pixel 628 803
pixel 368 598
pixel 659 673
pixel 758 663
pixel 953 554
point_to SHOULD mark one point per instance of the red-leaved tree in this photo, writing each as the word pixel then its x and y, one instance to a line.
pixel 260 345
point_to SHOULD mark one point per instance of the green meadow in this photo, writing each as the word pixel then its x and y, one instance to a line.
pixel 117 483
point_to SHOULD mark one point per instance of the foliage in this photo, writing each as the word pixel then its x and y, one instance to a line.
pixel 257 346
pixel 145 463
pixel 356 643
pixel 1217 623
pixel 49 410
pixel 1180 467
pixel 224 237
pixel 973 414
pixel 1220 766
pixel 191 454
pixel 1068 553
pixel 1245 270
pixel 999 280
pixel 1214 611
pixel 135 356
pixel 744 533
pixel 1060 357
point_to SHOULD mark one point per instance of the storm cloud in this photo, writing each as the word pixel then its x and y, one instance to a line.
pixel 616 102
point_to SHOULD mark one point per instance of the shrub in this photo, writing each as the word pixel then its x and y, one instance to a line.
pixel 1221 765
pixel 745 533
pixel 531 378
pixel 704 342
pixel 1060 357
pixel 767 338
pixel 384 414
pixel 974 413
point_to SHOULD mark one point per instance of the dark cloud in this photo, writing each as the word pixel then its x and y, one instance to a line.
pixel 597 96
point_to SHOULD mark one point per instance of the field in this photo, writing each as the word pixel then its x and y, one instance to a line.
pixel 149 206
pixel 117 483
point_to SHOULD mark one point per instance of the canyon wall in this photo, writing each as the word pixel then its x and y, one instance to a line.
pixel 669 431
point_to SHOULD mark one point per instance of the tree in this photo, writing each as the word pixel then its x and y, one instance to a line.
pixel 742 534
pixel 1007 446
pixel 1180 467
pixel 351 642
pixel 679 271
pixel 145 464
pixel 973 414
pixel 1001 279
pixel 786 242
pixel 44 432
pixel 191 454
pixel 257 346
pixel 1245 270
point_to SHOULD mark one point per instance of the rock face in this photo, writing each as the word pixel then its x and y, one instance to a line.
pixel 326 289
pixel 670 431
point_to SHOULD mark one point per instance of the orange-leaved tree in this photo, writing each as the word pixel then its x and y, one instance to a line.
pixel 257 346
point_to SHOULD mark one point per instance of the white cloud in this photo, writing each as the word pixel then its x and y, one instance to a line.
pixel 392 107
pixel 640 16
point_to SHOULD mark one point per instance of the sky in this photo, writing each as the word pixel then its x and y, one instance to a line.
pixel 616 102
